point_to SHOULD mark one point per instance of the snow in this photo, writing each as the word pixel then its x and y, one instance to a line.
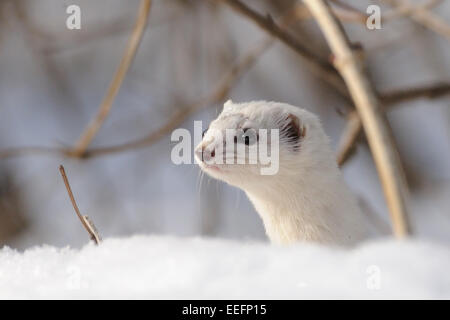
pixel 159 267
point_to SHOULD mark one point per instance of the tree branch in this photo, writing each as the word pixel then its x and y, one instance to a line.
pixel 322 68
pixel 354 127
pixel 347 142
pixel 430 92
pixel 92 129
pixel 375 124
pixel 388 99
pixel 423 16
pixel 220 92
pixel 347 13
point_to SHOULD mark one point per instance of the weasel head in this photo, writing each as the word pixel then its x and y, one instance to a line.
pixel 291 137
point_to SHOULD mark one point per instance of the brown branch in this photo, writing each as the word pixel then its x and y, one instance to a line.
pixel 354 127
pixel 218 94
pixel 408 9
pixel 322 68
pixel 424 17
pixel 375 124
pixel 23 151
pixel 302 12
pixel 56 43
pixel 90 132
pixel 85 221
pixel 222 90
pixel 347 13
pixel 388 99
pixel 430 92
pixel 347 142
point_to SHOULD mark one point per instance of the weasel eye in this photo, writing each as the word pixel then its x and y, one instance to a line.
pixel 204 132
pixel 249 137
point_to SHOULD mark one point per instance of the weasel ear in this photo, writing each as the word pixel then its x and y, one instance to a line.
pixel 227 105
pixel 294 130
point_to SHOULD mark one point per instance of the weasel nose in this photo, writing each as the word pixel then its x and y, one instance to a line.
pixel 203 154
pixel 199 153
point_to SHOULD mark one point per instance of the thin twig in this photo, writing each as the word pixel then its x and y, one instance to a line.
pixel 390 98
pixel 354 127
pixel 302 12
pixel 90 132
pixel 402 95
pixel 409 9
pixel 321 67
pixel 424 17
pixel 56 43
pixel 375 124
pixel 347 142
pixel 220 93
pixel 347 13
pixel 85 221
pixel 24 151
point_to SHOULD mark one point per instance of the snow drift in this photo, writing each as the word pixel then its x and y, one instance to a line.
pixel 165 267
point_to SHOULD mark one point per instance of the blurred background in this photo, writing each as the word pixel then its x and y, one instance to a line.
pixel 193 56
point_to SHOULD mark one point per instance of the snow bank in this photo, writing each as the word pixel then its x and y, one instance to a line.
pixel 166 267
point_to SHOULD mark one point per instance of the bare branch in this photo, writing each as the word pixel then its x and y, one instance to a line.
pixel 322 68
pixel 388 99
pixel 302 12
pixel 347 13
pixel 90 132
pixel 424 17
pixel 430 92
pixel 220 93
pixel 24 151
pixel 347 143
pixel 375 124
pixel 408 9
pixel 85 221
pixel 354 127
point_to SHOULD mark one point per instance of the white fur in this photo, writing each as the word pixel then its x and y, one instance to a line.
pixel 307 200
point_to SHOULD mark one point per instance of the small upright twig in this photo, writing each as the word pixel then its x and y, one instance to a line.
pixel 85 221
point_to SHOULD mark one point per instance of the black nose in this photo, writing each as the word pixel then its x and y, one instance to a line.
pixel 205 155
pixel 199 153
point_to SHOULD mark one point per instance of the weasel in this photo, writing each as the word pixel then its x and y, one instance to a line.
pixel 307 199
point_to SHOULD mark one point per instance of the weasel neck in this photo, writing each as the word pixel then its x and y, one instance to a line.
pixel 314 206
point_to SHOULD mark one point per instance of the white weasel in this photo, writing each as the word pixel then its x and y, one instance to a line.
pixel 307 200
